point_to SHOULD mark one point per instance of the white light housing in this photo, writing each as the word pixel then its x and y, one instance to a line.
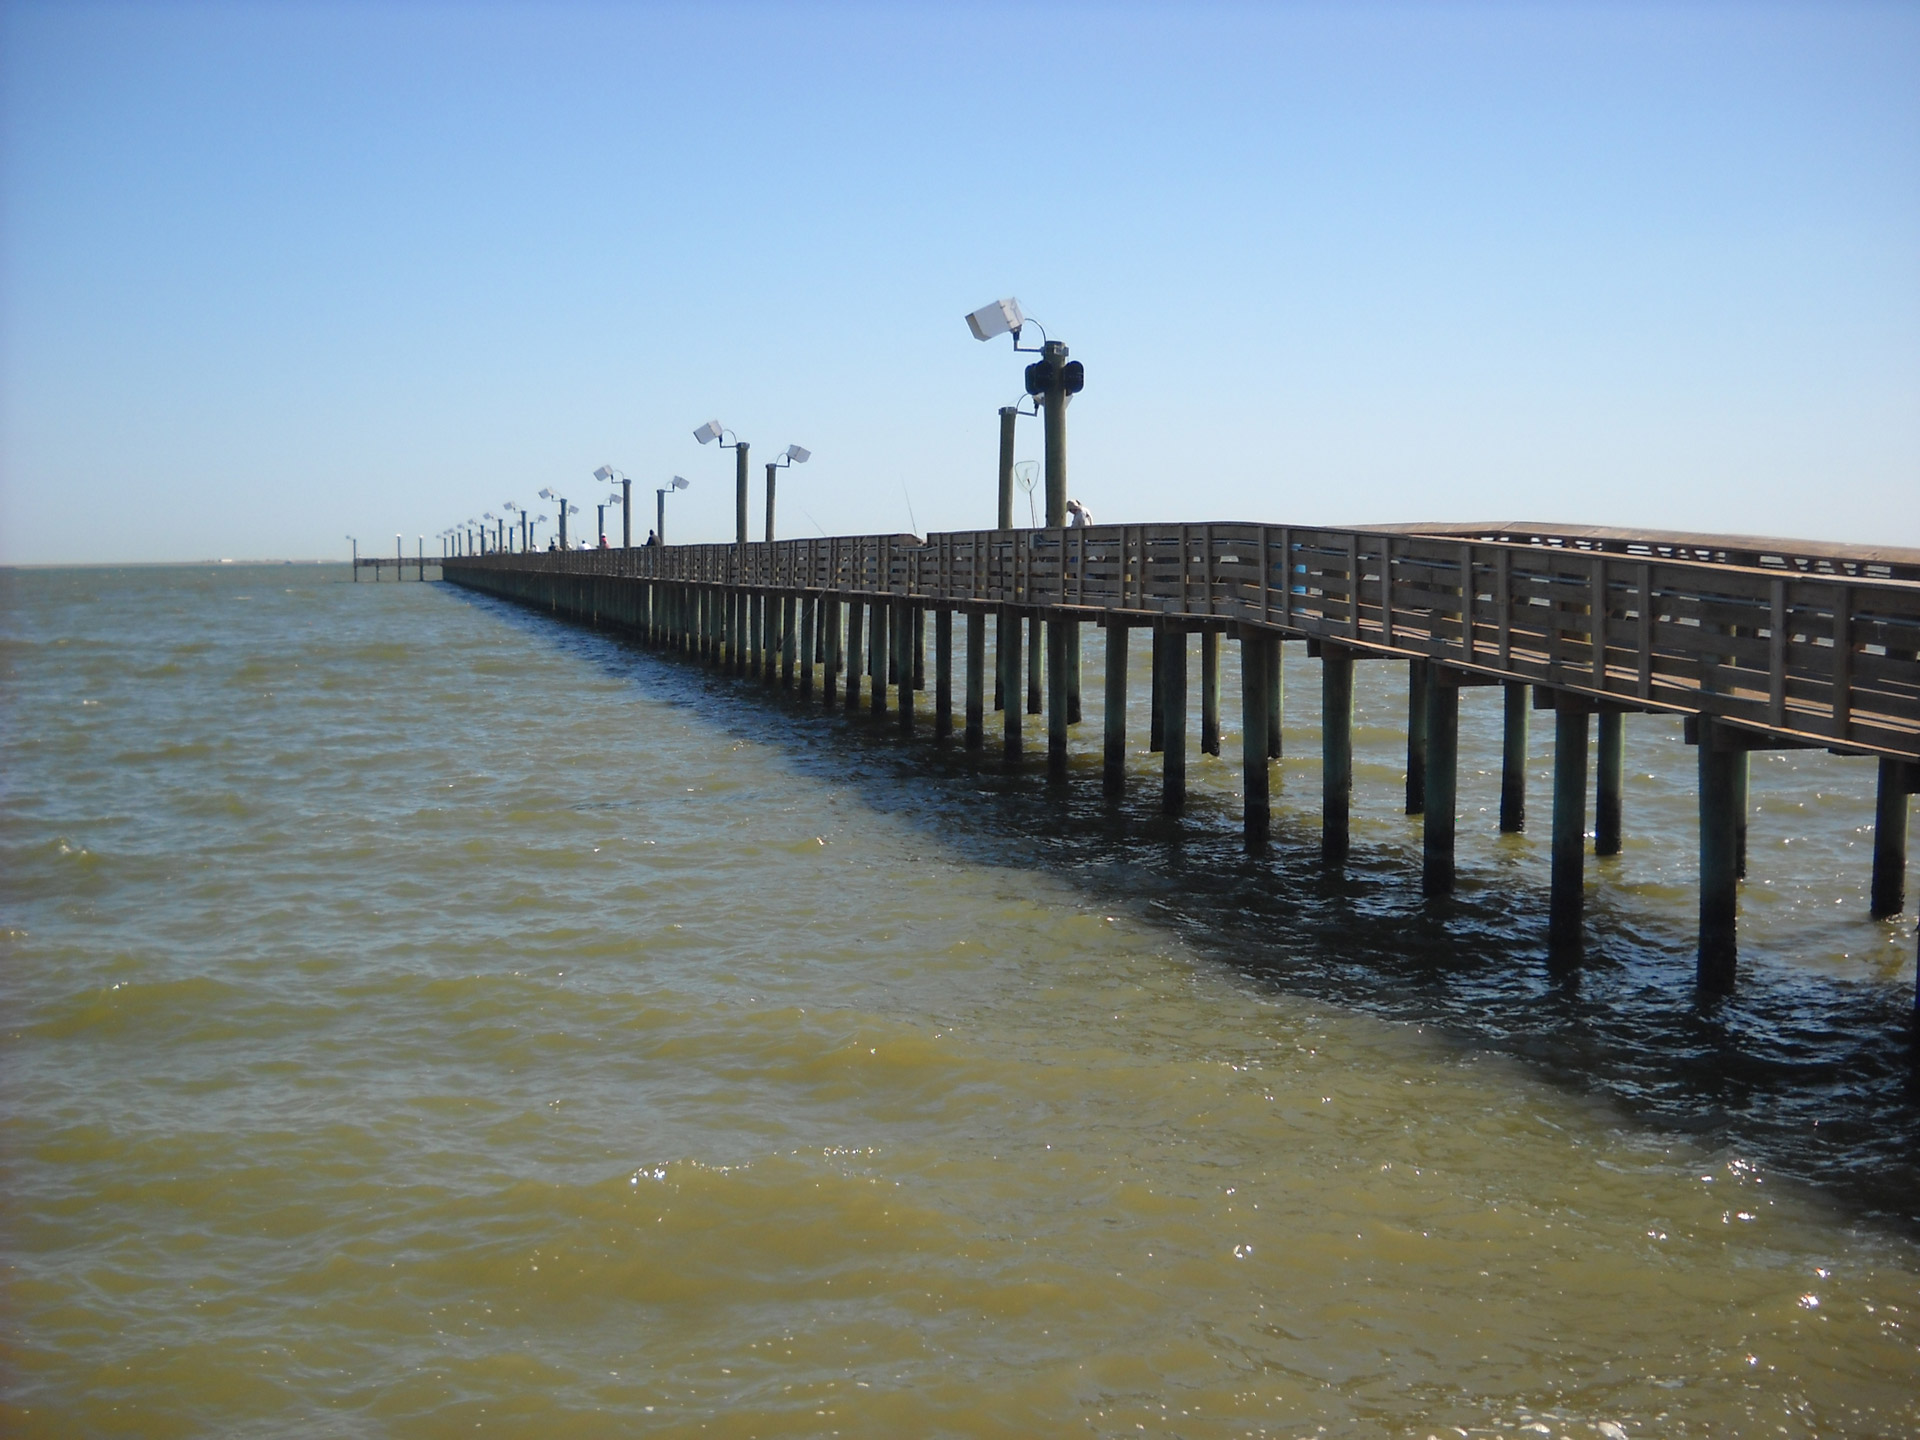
pixel 546 494
pixel 605 472
pixel 799 454
pixel 996 319
pixel 679 483
pixel 708 432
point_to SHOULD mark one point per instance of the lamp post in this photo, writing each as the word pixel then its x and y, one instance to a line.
pixel 793 455
pixel 625 502
pixel 1051 380
pixel 712 431
pixel 356 560
pixel 660 507
pixel 560 502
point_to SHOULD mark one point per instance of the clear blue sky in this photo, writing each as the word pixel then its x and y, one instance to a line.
pixel 274 273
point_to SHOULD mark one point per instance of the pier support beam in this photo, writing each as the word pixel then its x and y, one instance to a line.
pixel 1518 710
pixel 1609 744
pixel 809 637
pixel 1416 736
pixel 976 680
pixel 789 639
pixel 1073 672
pixel 1010 667
pixel 1256 650
pixel 1002 676
pixel 1276 693
pixel 1036 649
pixel 1440 777
pixel 1336 752
pixel 1566 901
pixel 919 648
pixel 1173 790
pixel 1721 758
pixel 1057 697
pixel 1209 692
pixel 904 627
pixel 1156 704
pixel 942 674
pixel 879 653
pixel 1113 759
pixel 831 653
pixel 855 653
pixel 1890 838
pixel 1742 784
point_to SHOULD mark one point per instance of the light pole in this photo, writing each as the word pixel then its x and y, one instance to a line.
pixel 711 431
pixel 794 455
pixel 660 507
pixel 1051 380
pixel 608 473
pixel 560 502
pixel 356 560
pixel 420 556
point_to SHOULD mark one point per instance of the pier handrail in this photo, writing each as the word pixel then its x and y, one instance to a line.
pixel 1824 657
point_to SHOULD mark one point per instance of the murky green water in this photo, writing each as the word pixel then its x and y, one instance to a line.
pixel 423 1018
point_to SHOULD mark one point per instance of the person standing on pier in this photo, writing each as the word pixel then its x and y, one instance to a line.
pixel 1079 516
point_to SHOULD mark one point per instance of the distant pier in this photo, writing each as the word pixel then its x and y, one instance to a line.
pixel 1759 645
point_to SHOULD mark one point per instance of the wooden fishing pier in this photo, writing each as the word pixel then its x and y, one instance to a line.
pixel 1759 644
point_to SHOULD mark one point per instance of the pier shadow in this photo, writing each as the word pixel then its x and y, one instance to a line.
pixel 1812 1077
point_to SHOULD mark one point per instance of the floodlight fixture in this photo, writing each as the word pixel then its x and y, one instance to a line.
pixel 1002 317
pixel 605 472
pixel 798 454
pixel 547 495
pixel 679 483
pixel 709 432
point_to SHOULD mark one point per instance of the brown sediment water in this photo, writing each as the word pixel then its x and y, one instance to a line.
pixel 426 1018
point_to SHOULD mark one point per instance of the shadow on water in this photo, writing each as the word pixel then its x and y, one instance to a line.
pixel 1813 1077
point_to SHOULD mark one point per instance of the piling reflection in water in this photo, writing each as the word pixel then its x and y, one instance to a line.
pixel 427 1016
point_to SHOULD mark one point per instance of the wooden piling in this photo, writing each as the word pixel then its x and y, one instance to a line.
pixel 1336 752
pixel 1609 741
pixel 1513 757
pixel 919 648
pixel 809 638
pixel 1173 761
pixel 855 653
pixel 1113 760
pixel 1073 672
pixel 1742 784
pixel 1416 736
pixel 1889 895
pixel 879 655
pixel 1209 692
pixel 1057 697
pixel 1719 868
pixel 942 673
pixel 1256 812
pixel 1566 899
pixel 1441 779
pixel 1036 649
pixel 1010 667
pixel 907 619
pixel 976 680
pixel 1002 677
pixel 1156 705
pixel 830 622
pixel 1275 663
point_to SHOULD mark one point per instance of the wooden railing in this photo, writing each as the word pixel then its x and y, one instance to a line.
pixel 1817 658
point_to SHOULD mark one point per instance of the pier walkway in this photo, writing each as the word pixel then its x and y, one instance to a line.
pixel 1760 644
